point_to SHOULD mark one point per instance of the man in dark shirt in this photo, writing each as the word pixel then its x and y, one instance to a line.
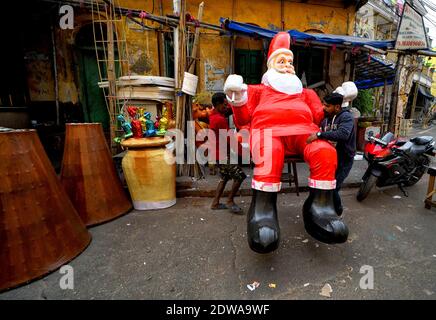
pixel 338 127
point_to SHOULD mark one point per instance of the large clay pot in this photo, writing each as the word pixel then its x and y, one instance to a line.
pixel 150 178
pixel 39 228
pixel 89 177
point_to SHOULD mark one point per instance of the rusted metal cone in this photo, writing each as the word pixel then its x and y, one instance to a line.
pixel 39 228
pixel 89 177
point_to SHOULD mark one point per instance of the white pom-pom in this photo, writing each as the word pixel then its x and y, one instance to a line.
pixel 339 90
pixel 350 91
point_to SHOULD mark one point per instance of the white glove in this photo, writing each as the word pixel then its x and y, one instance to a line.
pixel 236 90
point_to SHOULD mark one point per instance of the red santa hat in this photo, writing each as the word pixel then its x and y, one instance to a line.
pixel 279 44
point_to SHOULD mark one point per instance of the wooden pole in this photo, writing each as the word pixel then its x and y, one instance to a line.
pixel 160 44
pixel 55 71
pixel 195 168
pixel 180 72
pixel 180 97
pixel 196 40
pixel 111 80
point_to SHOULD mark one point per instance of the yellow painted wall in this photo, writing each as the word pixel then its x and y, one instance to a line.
pixel 214 64
pixel 431 62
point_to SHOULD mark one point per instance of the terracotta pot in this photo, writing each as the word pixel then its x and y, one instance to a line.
pixel 89 177
pixel 39 228
pixel 148 172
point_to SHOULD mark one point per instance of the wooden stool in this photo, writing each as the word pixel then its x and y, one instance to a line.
pixel 431 189
pixel 293 174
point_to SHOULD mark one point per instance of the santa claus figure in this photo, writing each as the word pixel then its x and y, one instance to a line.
pixel 291 113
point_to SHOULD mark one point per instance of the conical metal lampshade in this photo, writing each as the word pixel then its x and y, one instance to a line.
pixel 39 228
pixel 89 177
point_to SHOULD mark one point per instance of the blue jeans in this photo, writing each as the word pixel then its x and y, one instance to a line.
pixel 345 163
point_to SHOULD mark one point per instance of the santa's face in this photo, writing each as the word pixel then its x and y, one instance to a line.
pixel 283 63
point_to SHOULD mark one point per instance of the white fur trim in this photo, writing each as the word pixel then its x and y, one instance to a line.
pixel 322 184
pixel 278 51
pixel 266 186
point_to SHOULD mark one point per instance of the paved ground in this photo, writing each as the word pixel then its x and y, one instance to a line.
pixel 191 252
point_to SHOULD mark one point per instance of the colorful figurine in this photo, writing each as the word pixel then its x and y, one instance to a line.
pixel 127 128
pixel 133 112
pixel 136 128
pixel 142 119
pixel 156 123
pixel 163 124
pixel 150 129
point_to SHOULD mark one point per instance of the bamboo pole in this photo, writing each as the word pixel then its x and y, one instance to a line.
pixel 196 40
pixel 180 71
pixel 191 69
pixel 170 21
pixel 111 80
pixel 180 97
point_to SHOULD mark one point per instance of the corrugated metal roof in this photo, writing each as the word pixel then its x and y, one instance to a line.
pixel 371 72
pixel 327 39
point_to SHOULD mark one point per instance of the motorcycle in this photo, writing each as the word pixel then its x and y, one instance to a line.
pixel 394 161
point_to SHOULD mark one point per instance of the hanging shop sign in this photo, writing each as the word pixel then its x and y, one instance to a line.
pixel 411 33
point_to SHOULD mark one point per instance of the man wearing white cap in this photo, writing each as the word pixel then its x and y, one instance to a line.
pixel 338 127
pixel 281 106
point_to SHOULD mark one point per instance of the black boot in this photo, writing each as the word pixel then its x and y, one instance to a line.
pixel 263 230
pixel 338 203
pixel 320 218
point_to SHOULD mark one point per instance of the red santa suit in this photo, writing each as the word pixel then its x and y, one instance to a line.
pixel 281 115
pixel 291 118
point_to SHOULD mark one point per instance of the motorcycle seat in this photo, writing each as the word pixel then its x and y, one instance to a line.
pixel 417 149
pixel 400 143
pixel 406 147
pixel 422 140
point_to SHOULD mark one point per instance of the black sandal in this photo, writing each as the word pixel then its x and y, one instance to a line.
pixel 236 209
pixel 220 206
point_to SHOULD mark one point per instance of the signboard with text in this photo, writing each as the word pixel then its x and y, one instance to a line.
pixel 411 33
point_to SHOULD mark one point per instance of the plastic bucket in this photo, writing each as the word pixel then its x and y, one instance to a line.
pixel 190 82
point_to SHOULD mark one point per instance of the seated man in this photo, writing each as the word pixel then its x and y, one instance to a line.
pixel 338 127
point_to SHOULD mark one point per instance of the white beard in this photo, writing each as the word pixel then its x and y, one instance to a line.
pixel 282 82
